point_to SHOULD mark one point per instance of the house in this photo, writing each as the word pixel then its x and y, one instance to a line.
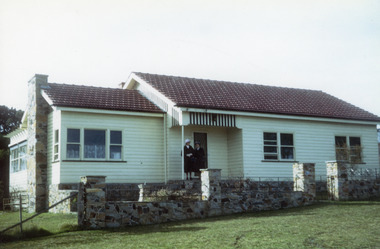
pixel 135 133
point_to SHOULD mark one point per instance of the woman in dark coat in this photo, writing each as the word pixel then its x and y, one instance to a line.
pixel 199 155
pixel 188 159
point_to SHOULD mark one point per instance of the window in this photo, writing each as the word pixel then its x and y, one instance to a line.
pixel 73 144
pixel 274 149
pixel 115 145
pixel 18 158
pixel 270 146
pixel 348 149
pixel 94 144
pixel 56 145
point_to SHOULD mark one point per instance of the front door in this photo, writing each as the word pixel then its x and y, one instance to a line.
pixel 202 138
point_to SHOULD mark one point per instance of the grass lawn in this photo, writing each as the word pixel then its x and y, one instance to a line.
pixel 323 225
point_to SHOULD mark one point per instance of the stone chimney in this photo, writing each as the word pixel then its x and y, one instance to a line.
pixel 37 112
pixel 121 85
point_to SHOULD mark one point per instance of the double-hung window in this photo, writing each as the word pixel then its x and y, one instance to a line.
pixel 94 144
pixel 115 144
pixel 348 149
pixel 73 144
pixel 56 145
pixel 278 146
pixel 18 158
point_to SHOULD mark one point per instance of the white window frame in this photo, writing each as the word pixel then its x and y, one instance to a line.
pixel 348 145
pixel 19 158
pixel 108 145
pixel 74 143
pixel 56 145
pixel 113 144
pixel 278 146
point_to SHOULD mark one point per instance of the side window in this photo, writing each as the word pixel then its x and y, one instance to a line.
pixel 14 160
pixel 287 146
pixel 278 146
pixel 73 144
pixel 348 149
pixel 270 146
pixel 18 158
pixel 355 150
pixel 116 144
pixel 94 144
pixel 56 145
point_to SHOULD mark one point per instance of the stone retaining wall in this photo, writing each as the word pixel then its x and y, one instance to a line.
pixel 94 211
pixel 341 185
pixel 57 192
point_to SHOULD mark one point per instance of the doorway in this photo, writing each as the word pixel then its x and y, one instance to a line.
pixel 202 139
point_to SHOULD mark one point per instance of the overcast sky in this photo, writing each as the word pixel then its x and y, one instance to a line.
pixel 333 46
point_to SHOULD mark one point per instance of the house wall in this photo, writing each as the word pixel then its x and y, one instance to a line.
pixel 314 142
pixel 53 167
pixel 17 181
pixel 235 152
pixel 143 150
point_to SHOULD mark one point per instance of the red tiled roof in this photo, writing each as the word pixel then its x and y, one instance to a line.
pixel 99 98
pixel 211 94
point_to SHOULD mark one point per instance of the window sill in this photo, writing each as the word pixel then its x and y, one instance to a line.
pixel 95 161
pixel 278 161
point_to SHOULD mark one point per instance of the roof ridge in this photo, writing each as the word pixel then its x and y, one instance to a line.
pixel 78 85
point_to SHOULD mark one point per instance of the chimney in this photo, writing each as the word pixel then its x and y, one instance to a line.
pixel 121 85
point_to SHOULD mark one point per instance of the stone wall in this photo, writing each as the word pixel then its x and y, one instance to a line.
pixel 94 211
pixel 37 112
pixel 58 192
pixel 174 190
pixel 343 185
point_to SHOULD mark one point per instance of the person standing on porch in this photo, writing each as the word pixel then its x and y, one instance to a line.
pixel 199 155
pixel 188 159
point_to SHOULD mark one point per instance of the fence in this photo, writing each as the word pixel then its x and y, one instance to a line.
pixel 94 211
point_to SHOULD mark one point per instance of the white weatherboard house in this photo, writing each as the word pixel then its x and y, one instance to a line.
pixel 135 133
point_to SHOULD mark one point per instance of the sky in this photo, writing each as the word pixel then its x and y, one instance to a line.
pixel 333 46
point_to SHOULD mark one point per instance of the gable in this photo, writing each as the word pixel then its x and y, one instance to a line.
pixel 231 96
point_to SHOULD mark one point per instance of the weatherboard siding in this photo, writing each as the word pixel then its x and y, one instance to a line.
pixel 17 181
pixel 54 123
pixel 143 148
pixel 314 142
pixel 235 152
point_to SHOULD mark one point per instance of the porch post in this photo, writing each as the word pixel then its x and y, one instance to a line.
pixel 183 152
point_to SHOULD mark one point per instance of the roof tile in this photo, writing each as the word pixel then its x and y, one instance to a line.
pixel 211 94
pixel 99 98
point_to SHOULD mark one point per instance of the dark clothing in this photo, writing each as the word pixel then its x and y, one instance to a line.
pixel 199 155
pixel 189 159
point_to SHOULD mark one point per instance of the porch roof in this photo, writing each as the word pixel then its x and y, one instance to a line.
pixel 232 96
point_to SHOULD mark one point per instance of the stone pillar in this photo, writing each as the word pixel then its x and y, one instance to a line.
pixel 92 202
pixel 304 179
pixel 37 111
pixel 337 181
pixel 211 190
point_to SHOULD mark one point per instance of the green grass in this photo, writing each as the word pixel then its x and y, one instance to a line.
pixel 323 225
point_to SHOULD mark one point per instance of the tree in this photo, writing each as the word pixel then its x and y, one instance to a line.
pixel 10 120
